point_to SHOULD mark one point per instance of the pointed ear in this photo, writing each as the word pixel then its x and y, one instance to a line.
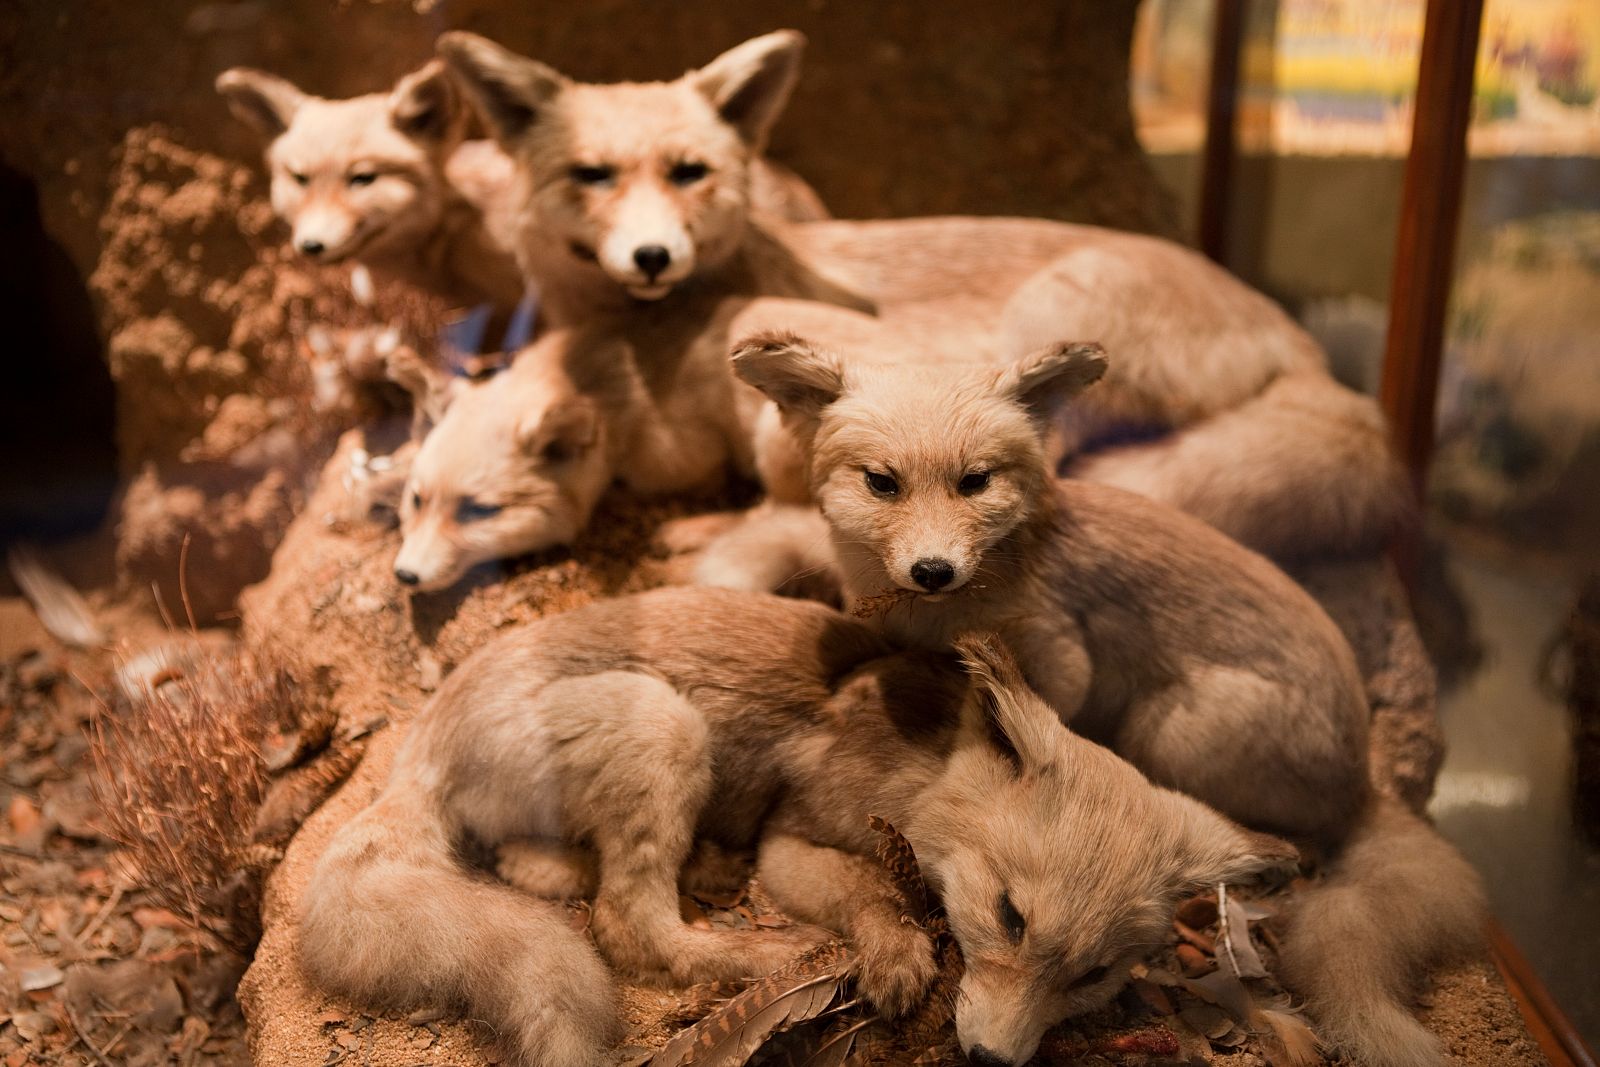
pixel 798 377
pixel 259 99
pixel 749 84
pixel 1016 720
pixel 1045 380
pixel 507 90
pixel 561 432
pixel 1213 848
pixel 424 105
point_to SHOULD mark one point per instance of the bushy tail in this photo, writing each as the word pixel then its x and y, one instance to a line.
pixel 1302 468
pixel 1399 900
pixel 390 918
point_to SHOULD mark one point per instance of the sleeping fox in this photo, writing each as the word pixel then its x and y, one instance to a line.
pixel 619 733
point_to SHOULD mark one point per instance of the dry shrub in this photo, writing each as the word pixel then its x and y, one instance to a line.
pixel 180 772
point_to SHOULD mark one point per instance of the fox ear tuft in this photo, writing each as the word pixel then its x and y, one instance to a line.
pixel 1015 720
pixel 1046 379
pixel 424 105
pixel 794 374
pixel 1215 849
pixel 507 90
pixel 750 83
pixel 256 98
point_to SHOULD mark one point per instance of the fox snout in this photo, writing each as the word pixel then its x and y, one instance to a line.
pixel 647 248
pixel 324 233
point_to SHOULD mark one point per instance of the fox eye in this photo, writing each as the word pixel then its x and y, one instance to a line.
pixel 300 179
pixel 558 452
pixel 416 501
pixel 882 484
pixel 687 173
pixel 973 482
pixel 1093 976
pixel 1010 918
pixel 470 510
pixel 593 174
pixel 362 178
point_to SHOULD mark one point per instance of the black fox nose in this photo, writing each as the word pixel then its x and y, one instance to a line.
pixel 652 259
pixel 982 1057
pixel 312 247
pixel 933 575
pixel 405 577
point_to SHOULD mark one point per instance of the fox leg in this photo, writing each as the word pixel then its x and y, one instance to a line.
pixel 851 893
pixel 545 868
pixel 636 774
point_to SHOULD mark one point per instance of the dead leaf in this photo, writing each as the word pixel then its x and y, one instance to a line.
pixel 1193 961
pixel 43 976
pixel 22 816
pixel 1198 912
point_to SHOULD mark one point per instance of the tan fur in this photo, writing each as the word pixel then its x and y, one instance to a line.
pixel 431 214
pixel 1194 658
pixel 384 179
pixel 518 462
pixel 630 727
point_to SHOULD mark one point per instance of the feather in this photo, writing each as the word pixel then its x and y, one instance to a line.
pixel 1297 1044
pixel 795 993
pixel 900 861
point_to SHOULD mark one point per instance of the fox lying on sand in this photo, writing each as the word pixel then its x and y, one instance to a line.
pixel 630 208
pixel 391 180
pixel 518 462
pixel 629 728
pixel 1194 658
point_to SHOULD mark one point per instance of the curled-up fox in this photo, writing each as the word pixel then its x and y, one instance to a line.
pixel 618 734
pixel 1145 629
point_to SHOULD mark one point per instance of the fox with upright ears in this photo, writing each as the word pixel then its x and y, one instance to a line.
pixel 625 730
pixel 1145 629
pixel 385 179
pixel 391 180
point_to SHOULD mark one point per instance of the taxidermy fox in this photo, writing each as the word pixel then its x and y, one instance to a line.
pixel 629 728
pixel 1193 657
pixel 518 462
pixel 391 180
pixel 631 205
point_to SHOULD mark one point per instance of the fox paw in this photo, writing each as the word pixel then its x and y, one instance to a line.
pixel 894 970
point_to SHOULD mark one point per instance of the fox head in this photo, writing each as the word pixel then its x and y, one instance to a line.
pixel 1058 864
pixel 637 185
pixel 516 465
pixel 359 177
pixel 920 471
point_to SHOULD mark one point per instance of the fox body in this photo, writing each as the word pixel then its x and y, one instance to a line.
pixel 627 729
pixel 518 462
pixel 391 180
pixel 1193 657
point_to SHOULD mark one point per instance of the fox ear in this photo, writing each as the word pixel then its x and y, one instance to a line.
pixel 797 377
pixel 256 98
pixel 1016 720
pixel 508 90
pixel 1049 377
pixel 1213 848
pixel 750 83
pixel 561 432
pixel 424 105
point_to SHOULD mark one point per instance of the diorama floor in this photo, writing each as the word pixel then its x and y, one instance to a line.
pixel 1505 793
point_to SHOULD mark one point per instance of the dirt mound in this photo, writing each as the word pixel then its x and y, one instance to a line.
pixel 331 594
